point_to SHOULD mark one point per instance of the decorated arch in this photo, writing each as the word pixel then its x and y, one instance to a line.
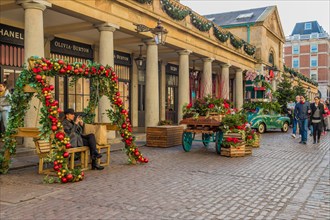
pixel 104 82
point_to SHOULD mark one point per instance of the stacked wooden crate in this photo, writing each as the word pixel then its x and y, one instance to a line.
pixel 238 151
pixel 164 136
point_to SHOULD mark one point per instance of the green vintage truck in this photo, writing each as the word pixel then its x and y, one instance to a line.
pixel 263 119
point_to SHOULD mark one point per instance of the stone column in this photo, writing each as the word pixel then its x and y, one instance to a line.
pixel 225 81
pixel 162 100
pixel 152 83
pixel 206 82
pixel 33 46
pixel 134 96
pixel 183 81
pixel 239 88
pixel 106 58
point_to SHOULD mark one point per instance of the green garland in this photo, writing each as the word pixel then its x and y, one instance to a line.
pixel 300 76
pixel 249 49
pixel 144 1
pixel 40 68
pixel 219 34
pixel 237 43
pixel 174 10
pixel 201 24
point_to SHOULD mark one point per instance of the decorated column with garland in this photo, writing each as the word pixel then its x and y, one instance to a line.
pixel 33 46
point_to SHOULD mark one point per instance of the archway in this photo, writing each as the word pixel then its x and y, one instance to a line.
pixel 104 82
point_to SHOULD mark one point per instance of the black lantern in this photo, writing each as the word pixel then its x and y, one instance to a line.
pixel 139 60
pixel 159 32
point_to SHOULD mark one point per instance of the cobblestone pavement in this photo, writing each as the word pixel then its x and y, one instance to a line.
pixel 281 180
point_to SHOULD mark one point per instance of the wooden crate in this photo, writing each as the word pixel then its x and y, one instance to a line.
pixel 248 150
pixel 256 144
pixel 238 151
pixel 211 120
pixel 164 136
pixel 233 135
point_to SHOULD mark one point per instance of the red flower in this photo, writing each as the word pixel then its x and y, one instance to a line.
pixel 211 106
pixel 249 137
pixel 189 105
pixel 226 105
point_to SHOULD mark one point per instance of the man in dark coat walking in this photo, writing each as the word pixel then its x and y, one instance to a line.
pixel 301 111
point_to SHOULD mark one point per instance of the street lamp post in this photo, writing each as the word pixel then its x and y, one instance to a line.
pixel 159 32
pixel 139 60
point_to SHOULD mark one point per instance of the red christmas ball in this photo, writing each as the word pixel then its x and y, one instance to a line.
pixel 54 128
pixel 69 177
pixel 137 153
pixel 82 174
pixel 38 77
pixel 60 136
pixel 56 167
pixel 55 162
pixel 44 68
pixel 68 145
pixel 61 62
pixel 146 160
pixel 124 126
pixel 64 180
pixel 122 135
pixel 51 87
pixel 66 154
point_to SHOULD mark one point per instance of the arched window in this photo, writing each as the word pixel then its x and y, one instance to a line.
pixel 271 58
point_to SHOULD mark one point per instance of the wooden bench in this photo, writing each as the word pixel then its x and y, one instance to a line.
pixel 107 152
pixel 44 148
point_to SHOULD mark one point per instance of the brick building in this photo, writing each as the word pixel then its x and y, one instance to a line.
pixel 307 50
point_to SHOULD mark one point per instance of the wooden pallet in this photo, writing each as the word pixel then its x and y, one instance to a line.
pixel 233 135
pixel 203 121
pixel 248 150
pixel 164 136
pixel 233 151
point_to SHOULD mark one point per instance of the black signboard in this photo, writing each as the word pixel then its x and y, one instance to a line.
pixel 121 58
pixel 11 35
pixel 71 48
pixel 172 69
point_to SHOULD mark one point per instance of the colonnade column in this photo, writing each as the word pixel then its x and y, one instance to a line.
pixel 207 77
pixel 162 97
pixel 239 88
pixel 134 96
pixel 33 46
pixel 225 81
pixel 183 81
pixel 106 58
pixel 152 85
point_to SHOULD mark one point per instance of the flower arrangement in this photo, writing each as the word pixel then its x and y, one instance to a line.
pixel 206 106
pixel 231 142
pixel 251 136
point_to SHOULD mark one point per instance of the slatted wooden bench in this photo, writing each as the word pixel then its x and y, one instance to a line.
pixel 44 148
pixel 101 161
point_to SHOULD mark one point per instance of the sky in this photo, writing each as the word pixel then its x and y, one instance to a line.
pixel 291 11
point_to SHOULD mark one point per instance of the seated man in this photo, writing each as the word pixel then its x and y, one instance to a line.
pixel 74 129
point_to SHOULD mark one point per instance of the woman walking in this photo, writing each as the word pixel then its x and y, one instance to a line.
pixel 317 119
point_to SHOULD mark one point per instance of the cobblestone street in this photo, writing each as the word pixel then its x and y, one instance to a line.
pixel 281 180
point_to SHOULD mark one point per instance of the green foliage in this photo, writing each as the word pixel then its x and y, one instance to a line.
pixel 300 90
pixel 174 10
pixel 236 42
pixel 200 23
pixel 165 122
pixel 249 49
pixel 270 106
pixel 284 93
pixel 220 34
pixel 300 76
pixel 232 121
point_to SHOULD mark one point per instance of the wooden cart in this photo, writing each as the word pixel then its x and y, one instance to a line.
pixel 207 126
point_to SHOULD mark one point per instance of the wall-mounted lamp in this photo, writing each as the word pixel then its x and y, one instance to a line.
pixel 139 60
pixel 159 32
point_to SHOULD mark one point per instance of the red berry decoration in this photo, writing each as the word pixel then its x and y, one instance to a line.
pixel 66 154
pixel 38 77
pixel 54 128
pixel 56 167
pixel 68 145
pixel 69 177
pixel 64 180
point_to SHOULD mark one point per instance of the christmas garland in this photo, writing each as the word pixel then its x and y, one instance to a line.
pixel 300 76
pixel 175 10
pixel 51 127
pixel 237 43
pixel 144 1
pixel 219 34
pixel 249 49
pixel 200 23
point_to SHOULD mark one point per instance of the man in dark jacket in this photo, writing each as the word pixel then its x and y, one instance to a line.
pixel 301 111
pixel 74 129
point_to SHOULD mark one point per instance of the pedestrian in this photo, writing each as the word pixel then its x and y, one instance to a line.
pixel 301 111
pixel 4 103
pixel 317 119
pixel 74 129
pixel 295 120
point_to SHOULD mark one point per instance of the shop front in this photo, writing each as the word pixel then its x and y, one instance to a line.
pixel 172 83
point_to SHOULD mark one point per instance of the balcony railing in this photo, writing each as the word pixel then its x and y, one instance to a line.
pixel 308 36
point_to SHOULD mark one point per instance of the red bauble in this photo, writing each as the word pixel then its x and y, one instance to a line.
pixel 64 180
pixel 69 177
pixel 61 62
pixel 38 77
pixel 54 128
pixel 137 153
pixel 51 87
pixel 55 162
pixel 44 68
pixel 60 135
pixel 68 145
pixel 66 154
pixel 82 174
pixel 56 167
pixel 146 160
pixel 122 135
pixel 124 126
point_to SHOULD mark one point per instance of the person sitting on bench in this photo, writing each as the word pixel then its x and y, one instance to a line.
pixel 74 129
